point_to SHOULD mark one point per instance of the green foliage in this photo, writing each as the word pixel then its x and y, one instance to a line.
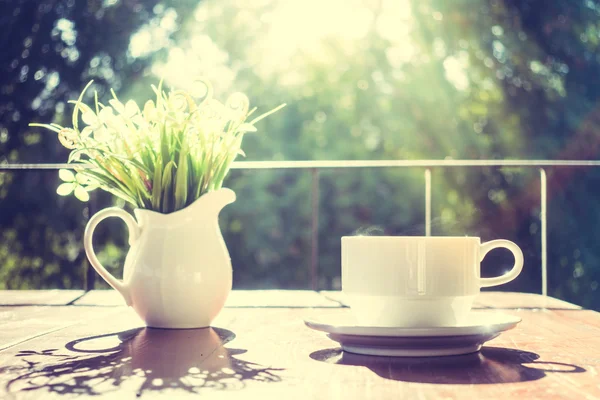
pixel 161 158
pixel 472 79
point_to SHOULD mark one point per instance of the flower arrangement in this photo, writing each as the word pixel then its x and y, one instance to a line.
pixel 162 157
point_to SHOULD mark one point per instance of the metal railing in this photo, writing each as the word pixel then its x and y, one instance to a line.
pixel 316 166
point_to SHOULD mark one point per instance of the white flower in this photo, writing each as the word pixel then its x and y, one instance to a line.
pixel 150 113
pixel 78 184
pixel 128 110
pixel 96 124
pixel 174 134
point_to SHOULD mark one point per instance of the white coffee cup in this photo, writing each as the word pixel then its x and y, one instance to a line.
pixel 409 281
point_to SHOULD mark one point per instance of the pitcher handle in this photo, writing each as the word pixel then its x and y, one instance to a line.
pixel 514 271
pixel 134 233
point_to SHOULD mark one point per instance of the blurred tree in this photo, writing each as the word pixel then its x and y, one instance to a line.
pixel 364 79
pixel 50 49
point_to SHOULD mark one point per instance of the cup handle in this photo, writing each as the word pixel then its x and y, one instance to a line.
pixel 510 275
pixel 134 233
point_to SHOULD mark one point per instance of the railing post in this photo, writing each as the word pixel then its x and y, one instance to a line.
pixel 314 224
pixel 427 202
pixel 543 222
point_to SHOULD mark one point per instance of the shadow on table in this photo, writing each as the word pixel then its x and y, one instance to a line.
pixel 143 360
pixel 490 365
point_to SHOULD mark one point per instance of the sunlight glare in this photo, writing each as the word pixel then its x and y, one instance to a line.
pixel 308 27
pixel 455 69
pixel 203 59
pixel 289 34
pixel 153 36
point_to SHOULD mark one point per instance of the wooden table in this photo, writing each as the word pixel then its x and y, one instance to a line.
pixel 67 344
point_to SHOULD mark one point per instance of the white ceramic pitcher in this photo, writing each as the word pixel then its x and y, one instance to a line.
pixel 177 273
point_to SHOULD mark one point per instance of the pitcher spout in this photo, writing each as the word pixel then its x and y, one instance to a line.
pixel 209 204
pixel 212 203
pixel 218 199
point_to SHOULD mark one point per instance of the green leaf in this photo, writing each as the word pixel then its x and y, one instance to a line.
pixel 81 194
pixel 255 120
pixel 157 185
pixel 246 128
pixel 167 200
pixel 181 156
pixel 47 126
pixel 131 161
pixel 75 120
pixel 164 146
pixel 111 184
pixel 120 194
pixel 77 153
pixel 132 182
pixel 148 157
pixel 66 175
pixel 65 189
pixel 181 180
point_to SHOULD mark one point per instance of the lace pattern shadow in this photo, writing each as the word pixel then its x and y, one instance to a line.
pixel 143 360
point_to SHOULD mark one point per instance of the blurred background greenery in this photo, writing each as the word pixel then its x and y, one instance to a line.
pixel 363 79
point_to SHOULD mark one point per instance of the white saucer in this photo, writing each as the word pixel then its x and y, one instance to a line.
pixel 415 342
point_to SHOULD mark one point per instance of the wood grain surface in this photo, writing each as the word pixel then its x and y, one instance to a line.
pixel 39 297
pixel 490 299
pixel 267 352
pixel 237 298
